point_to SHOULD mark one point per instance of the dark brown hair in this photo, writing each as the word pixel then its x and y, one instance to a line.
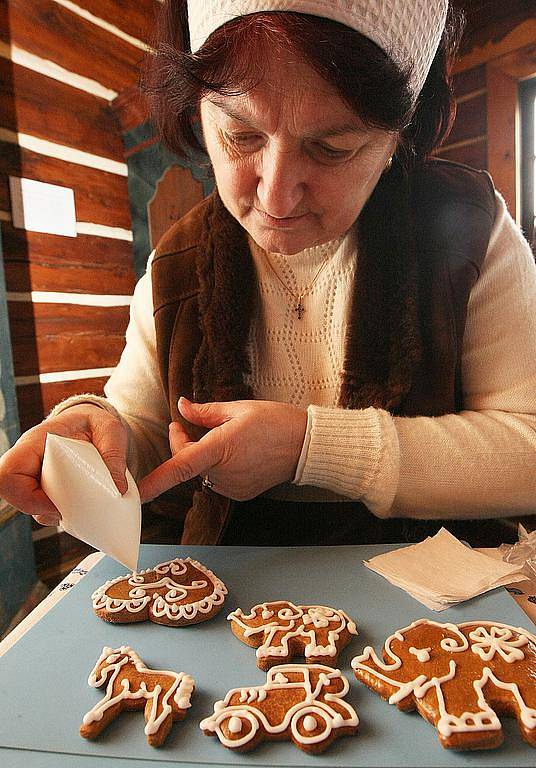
pixel 231 62
pixel 385 321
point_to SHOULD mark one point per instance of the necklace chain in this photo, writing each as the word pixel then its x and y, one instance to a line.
pixel 298 308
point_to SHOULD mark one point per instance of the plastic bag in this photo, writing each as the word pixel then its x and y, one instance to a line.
pixel 522 553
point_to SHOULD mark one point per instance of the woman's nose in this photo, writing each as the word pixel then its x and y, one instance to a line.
pixel 281 184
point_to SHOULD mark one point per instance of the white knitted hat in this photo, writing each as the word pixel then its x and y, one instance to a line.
pixel 408 30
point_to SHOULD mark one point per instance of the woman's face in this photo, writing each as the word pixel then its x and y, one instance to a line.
pixel 292 162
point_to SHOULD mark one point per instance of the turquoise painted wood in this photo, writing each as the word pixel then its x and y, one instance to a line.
pixel 17 563
pixel 145 168
pixel 17 566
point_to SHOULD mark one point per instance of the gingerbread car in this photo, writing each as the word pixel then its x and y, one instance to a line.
pixel 300 702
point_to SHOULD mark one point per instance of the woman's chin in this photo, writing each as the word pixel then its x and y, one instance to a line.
pixel 287 242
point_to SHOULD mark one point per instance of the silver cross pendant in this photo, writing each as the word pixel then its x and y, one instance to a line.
pixel 299 309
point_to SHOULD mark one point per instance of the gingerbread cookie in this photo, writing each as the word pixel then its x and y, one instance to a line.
pixel 300 702
pixel 281 630
pixel 165 696
pixel 175 593
pixel 459 677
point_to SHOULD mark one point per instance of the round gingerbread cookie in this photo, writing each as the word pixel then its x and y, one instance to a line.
pixel 281 630
pixel 459 677
pixel 175 593
pixel 303 703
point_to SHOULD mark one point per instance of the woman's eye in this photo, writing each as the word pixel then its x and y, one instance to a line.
pixel 247 141
pixel 331 153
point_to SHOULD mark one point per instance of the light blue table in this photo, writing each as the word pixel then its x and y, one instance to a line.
pixel 45 693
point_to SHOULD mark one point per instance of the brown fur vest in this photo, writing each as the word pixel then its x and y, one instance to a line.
pixel 422 240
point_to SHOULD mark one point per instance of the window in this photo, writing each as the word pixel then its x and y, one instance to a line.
pixel 527 93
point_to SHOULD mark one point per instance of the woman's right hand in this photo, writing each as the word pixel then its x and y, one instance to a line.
pixel 20 467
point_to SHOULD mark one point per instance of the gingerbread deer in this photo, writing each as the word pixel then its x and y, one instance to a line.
pixel 130 685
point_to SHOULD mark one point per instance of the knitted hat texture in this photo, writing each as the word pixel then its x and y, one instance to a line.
pixel 409 31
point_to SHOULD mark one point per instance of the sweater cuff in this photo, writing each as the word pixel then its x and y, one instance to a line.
pixel 87 399
pixel 341 450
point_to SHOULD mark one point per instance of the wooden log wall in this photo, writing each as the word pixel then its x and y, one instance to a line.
pixel 468 140
pixel 61 65
pixel 498 53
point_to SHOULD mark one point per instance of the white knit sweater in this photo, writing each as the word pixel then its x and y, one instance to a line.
pixel 477 463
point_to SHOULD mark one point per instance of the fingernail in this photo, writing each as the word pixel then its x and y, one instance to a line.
pixel 47 521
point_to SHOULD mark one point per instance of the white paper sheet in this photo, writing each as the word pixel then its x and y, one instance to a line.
pixel 76 479
pixel 441 571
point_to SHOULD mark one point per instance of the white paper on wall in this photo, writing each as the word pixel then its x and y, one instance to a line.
pixel 40 207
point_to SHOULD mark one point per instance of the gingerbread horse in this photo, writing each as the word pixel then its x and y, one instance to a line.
pixel 130 685
pixel 280 630
pixel 458 677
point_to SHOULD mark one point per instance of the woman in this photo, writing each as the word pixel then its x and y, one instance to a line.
pixel 350 326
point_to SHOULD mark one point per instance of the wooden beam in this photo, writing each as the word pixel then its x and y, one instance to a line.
pixel 136 18
pixel 34 261
pixel 65 337
pixel 524 34
pixel 130 108
pixel 520 64
pixel 470 80
pixel 502 134
pixel 37 400
pixel 40 106
pixel 470 120
pixel 48 30
pixel 472 152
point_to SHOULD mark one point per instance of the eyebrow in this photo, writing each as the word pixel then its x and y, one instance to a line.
pixel 336 130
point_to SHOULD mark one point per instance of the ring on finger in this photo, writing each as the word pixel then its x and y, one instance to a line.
pixel 207 483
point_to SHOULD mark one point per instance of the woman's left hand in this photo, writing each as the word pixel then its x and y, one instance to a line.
pixel 251 446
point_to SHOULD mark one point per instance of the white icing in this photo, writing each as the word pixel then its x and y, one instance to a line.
pixel 252 694
pixel 309 723
pixel 235 724
pixel 422 654
pixel 113 665
pixel 293 621
pixel 498 639
pixel 168 604
pixel 527 714
pixel 488 639
pixel 312 711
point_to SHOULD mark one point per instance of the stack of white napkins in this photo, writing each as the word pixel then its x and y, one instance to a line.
pixel 76 479
pixel 441 571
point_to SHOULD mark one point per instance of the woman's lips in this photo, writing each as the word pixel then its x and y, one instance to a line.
pixel 283 223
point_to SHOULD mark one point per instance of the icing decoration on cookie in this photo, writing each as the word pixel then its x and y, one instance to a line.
pixel 175 593
pixel 281 630
pixel 459 677
pixel 164 695
pixel 422 654
pixel 301 702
